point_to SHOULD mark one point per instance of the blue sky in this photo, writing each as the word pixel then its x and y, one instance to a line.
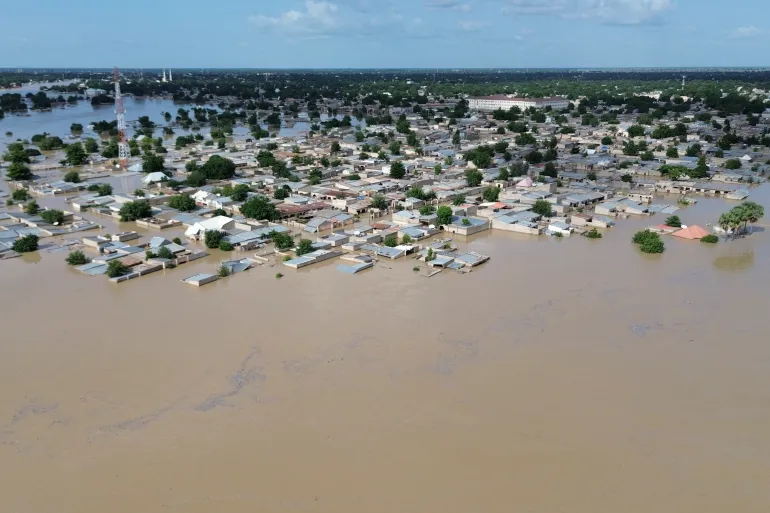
pixel 385 33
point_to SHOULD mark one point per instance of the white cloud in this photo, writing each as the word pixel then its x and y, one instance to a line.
pixel 622 12
pixel 346 18
pixel 318 18
pixel 746 32
pixel 453 5
pixel 473 25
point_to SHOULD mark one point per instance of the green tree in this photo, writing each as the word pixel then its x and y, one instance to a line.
pixel 91 146
pixel 627 178
pixel 456 141
pixel 76 155
pixel 226 246
pixel 672 152
pixel 134 210
pixel 104 189
pixel 282 193
pixel 196 179
pixel 397 170
pixel 260 208
pixel 710 239
pixel 395 148
pixel 77 257
pixel 152 163
pixel 607 140
pixel 491 194
pixel 18 172
pixel 549 170
pixel 635 131
pixel 20 195
pixel 379 202
pixel 336 147
pixel 16 154
pixel 444 214
pixel 26 244
pixel 182 202
pixel 390 240
pixel 458 200
pixel 543 208
pixel 427 210
pixel 732 164
pixel 473 177
pixel 219 168
pixel 673 221
pixel 53 216
pixel 32 208
pixel 72 177
pixel 283 241
pixel 591 176
pixel 304 247
pixel 212 238
pixel 166 253
pixel 116 268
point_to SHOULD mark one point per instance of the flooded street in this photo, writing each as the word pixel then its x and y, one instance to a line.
pixel 565 375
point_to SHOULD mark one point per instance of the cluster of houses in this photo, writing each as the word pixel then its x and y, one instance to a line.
pixel 340 187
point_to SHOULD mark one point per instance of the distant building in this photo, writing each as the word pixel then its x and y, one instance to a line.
pixel 505 102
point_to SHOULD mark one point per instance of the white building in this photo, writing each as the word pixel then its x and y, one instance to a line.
pixel 505 102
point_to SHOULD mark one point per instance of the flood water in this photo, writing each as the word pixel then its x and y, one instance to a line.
pixel 58 120
pixel 568 375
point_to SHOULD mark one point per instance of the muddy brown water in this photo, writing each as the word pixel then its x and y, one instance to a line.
pixel 568 375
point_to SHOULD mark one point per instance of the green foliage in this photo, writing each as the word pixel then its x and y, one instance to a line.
pixel 672 152
pixel 543 208
pixel 379 202
pixel 212 238
pixel 238 193
pixel 593 233
pixel 473 177
pixel 282 193
pixel 20 195
pixel 458 200
pixel 134 210
pixel 16 154
pixel 732 164
pixel 607 140
pixel 304 247
pixel 283 241
pixel 76 155
pixel 710 239
pixel 260 208
pixel 166 253
pixel 223 271
pixel 390 240
pixel 427 210
pixel 72 177
pixel 278 276
pixel 77 258
pixel 116 268
pixel 591 176
pixel 397 170
pixel 491 194
pixel 466 221
pixel 32 208
pixel 152 163
pixel 177 240
pixel 104 189
pixel 635 131
pixel 649 242
pixel 673 221
pixel 196 179
pixel 53 216
pixel 18 172
pixel 139 193
pixel 743 214
pixel 627 178
pixel 91 146
pixel 225 246
pixel 218 168
pixel 26 244
pixel 444 214
pixel 182 202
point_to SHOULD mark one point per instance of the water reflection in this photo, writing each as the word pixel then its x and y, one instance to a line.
pixel 736 262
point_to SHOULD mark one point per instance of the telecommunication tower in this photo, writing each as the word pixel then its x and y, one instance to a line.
pixel 123 151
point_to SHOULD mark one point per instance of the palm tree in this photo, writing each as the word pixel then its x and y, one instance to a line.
pixel 751 212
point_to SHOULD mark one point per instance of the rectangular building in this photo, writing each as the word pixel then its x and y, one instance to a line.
pixel 505 102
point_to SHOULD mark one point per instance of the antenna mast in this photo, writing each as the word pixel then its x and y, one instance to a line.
pixel 123 151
